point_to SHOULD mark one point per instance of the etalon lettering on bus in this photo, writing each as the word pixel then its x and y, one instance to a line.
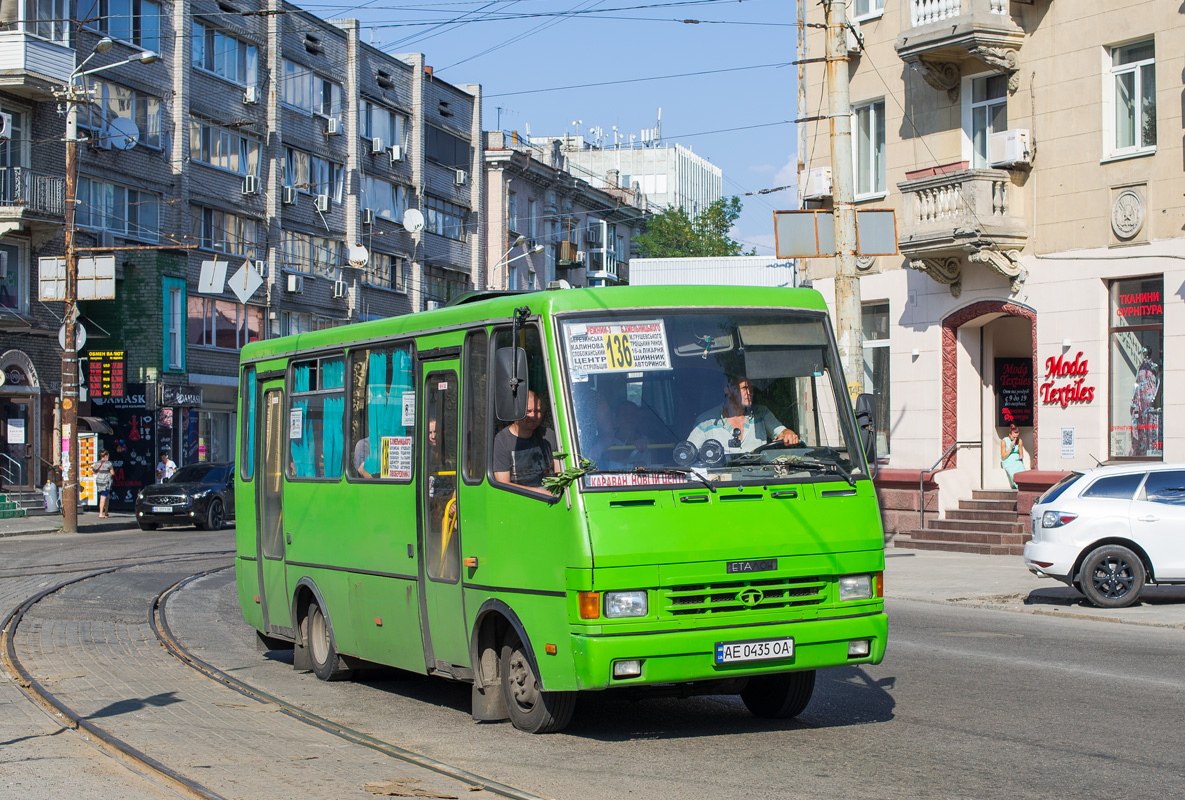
pixel 555 494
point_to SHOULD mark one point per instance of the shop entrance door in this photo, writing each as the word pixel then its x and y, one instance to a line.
pixel 16 456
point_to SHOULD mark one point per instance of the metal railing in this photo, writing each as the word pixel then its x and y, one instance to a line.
pixel 922 484
pixel 36 191
pixel 13 475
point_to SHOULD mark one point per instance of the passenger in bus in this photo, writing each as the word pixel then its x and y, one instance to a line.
pixel 524 451
pixel 361 453
pixel 738 425
pixel 625 442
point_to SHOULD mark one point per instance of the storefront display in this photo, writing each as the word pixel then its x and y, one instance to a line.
pixel 1137 350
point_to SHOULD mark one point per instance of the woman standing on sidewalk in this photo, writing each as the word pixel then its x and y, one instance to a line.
pixel 103 482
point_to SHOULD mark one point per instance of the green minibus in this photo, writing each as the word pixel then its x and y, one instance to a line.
pixel 656 488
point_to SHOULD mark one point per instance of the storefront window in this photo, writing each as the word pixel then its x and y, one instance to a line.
pixel 1137 350
pixel 214 436
pixel 876 369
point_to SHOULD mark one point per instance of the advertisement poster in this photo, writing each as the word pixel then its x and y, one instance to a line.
pixel 1014 392
pixel 397 454
pixel 131 445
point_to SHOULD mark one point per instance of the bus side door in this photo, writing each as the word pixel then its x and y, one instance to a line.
pixel 273 583
pixel 442 606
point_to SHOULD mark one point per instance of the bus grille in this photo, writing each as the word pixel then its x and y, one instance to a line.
pixel 741 596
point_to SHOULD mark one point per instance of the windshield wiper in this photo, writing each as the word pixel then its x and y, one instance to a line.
pixel 824 466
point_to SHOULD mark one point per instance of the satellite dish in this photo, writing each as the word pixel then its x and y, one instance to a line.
pixel 413 221
pixel 122 133
pixel 358 256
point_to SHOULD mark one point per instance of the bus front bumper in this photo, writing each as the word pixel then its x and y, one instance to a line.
pixel 684 656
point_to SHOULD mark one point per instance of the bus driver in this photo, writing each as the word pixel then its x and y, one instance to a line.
pixel 524 452
pixel 738 425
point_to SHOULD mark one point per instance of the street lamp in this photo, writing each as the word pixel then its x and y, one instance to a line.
pixel 504 261
pixel 75 94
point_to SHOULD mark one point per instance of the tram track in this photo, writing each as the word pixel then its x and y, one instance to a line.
pixel 163 774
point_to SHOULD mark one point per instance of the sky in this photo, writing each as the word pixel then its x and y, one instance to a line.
pixel 593 55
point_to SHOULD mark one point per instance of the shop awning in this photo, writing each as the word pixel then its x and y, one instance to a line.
pixel 96 424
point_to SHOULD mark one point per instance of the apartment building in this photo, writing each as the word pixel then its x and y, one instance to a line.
pixel 546 223
pixel 1032 152
pixel 264 138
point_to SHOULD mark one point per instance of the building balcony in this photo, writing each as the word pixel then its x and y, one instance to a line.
pixel 568 255
pixel 31 199
pixel 949 38
pixel 33 67
pixel 955 216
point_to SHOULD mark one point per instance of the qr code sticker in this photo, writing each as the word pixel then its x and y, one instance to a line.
pixel 1067 438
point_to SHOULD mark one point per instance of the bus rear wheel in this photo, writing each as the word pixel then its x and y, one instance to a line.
pixel 327 664
pixel 779 696
pixel 531 708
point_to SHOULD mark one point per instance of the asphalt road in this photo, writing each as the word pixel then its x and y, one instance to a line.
pixel 970 701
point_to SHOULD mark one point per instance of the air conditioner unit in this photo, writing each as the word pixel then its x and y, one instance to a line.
pixel 580 256
pixel 339 290
pixel 816 184
pixel 462 177
pixel 368 216
pixel 100 139
pixel 1010 148
pixel 5 126
pixel 260 266
pixel 288 197
pixel 251 95
pixel 592 234
pixel 321 203
pixel 251 184
pixel 853 39
pixel 377 146
pixel 396 153
pixel 429 305
pixel 333 126
pixel 296 284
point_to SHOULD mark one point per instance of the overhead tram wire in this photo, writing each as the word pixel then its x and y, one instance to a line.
pixel 776 64
pixel 525 35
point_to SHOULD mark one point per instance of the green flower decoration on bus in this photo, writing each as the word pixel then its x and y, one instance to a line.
pixel 556 484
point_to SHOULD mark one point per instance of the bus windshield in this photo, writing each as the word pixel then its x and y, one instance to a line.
pixel 716 398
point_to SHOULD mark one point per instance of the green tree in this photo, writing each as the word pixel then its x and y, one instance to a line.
pixel 674 233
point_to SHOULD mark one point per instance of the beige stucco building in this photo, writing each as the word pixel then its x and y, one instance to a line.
pixel 1033 154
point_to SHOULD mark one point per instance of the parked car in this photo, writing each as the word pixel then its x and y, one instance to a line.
pixel 198 494
pixel 1110 531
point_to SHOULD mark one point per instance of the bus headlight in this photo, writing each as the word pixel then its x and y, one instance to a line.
pixel 626 604
pixel 855 587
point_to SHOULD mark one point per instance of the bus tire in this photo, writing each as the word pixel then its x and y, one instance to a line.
pixel 531 709
pixel 782 696
pixel 327 664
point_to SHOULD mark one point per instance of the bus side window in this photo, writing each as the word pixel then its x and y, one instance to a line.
pixel 317 417
pixel 525 467
pixel 247 457
pixel 381 387
pixel 476 421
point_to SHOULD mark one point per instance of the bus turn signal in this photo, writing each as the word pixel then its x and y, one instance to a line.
pixel 590 605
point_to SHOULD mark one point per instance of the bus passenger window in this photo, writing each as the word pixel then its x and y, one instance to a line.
pixel 476 400
pixel 382 409
pixel 316 421
pixel 247 457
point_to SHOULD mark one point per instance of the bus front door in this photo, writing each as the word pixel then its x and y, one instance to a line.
pixel 442 608
pixel 273 582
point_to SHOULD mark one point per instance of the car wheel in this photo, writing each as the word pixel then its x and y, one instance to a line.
pixel 531 708
pixel 1112 576
pixel 148 526
pixel 779 696
pixel 215 515
pixel 327 664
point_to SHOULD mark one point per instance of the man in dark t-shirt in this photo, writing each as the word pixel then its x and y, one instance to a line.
pixel 523 452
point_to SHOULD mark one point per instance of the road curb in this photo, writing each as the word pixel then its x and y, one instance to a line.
pixel 963 602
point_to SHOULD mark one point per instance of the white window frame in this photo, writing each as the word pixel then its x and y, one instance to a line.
pixel 387 200
pixel 178 320
pixel 882 453
pixel 102 22
pixel 1111 150
pixel 205 46
pixel 97 111
pixel 228 139
pixel 309 97
pixel 876 9
pixel 857 108
pixel 92 194
pixel 20 266
pixel 967 92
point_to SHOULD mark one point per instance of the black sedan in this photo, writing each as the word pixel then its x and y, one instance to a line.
pixel 198 494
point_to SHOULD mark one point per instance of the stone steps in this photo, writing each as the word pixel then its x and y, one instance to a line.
pixel 986 524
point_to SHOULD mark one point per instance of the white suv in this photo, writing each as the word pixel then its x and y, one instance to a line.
pixel 1109 531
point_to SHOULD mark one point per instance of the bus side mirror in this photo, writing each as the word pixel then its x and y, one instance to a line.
pixel 510 384
pixel 866 422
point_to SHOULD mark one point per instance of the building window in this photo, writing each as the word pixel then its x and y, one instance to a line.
pixel 225 56
pixel 869 152
pixel 442 285
pixel 309 92
pixel 385 199
pixel 47 19
pixel 1133 76
pixel 227 233
pixel 14 278
pixel 530 225
pixel 223 147
pixel 445 149
pixel 387 271
pixel 868 8
pixel 875 318
pixel 380 122
pixel 444 218
pixel 222 323
pixel 511 212
pixel 135 21
pixel 174 303
pixel 294 322
pixel 989 114
pixel 311 254
pixel 312 174
pixel 1137 356
pixel 115 208
pixel 110 100
pixel 214 442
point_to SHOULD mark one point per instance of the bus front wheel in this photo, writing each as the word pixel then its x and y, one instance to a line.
pixel 327 665
pixel 779 696
pixel 531 708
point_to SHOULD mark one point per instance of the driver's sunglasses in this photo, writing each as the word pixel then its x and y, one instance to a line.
pixel 735 441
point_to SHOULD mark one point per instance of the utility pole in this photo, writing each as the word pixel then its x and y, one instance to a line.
pixel 70 475
pixel 848 324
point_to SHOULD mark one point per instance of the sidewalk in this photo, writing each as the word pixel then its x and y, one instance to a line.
pixel 1003 582
pixel 88 522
